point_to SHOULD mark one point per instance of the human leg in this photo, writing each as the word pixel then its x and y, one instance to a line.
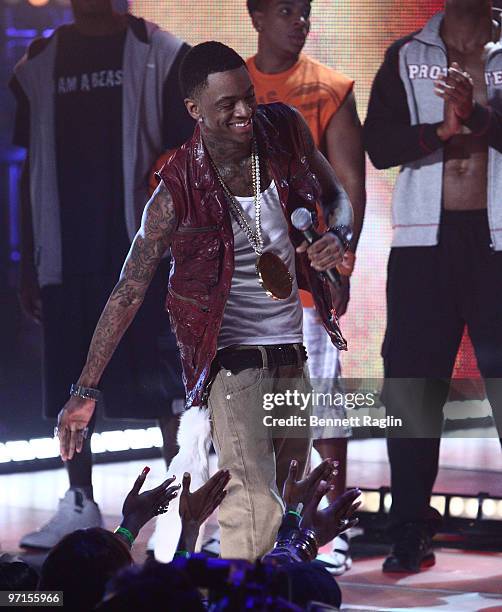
pixel 424 329
pixel 64 335
pixel 250 514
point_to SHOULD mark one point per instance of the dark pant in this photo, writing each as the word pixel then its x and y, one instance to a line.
pixel 432 294
pixel 144 374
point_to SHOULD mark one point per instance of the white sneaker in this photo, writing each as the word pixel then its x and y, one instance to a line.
pixel 211 544
pixel 338 561
pixel 75 511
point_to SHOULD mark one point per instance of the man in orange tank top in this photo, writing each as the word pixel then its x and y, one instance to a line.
pixel 282 73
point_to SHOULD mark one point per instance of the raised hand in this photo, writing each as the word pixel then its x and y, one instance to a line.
pixel 301 491
pixel 457 90
pixel 139 508
pixel 333 520
pixel 196 507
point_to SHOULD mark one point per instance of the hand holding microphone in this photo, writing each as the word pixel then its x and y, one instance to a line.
pixel 325 251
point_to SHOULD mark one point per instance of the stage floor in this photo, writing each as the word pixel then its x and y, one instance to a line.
pixel 461 581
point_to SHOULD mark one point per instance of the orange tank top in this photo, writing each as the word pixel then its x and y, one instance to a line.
pixel 315 90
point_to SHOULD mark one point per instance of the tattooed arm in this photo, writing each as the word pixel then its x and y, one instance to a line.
pixel 148 247
pixel 327 252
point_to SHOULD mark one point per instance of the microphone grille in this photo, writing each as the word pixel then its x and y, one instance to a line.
pixel 301 219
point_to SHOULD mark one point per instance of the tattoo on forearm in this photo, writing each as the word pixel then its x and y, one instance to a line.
pixel 148 247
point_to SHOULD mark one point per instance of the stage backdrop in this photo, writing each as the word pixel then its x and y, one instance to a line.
pixel 351 36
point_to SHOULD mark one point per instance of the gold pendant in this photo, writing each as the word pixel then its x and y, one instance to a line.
pixel 274 276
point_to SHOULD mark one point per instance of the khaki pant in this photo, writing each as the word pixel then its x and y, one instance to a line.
pixel 258 460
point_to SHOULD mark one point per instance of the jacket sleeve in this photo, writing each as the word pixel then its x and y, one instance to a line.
pixel 486 120
pixel 389 137
pixel 21 136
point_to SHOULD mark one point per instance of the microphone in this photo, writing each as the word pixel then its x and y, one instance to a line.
pixel 302 220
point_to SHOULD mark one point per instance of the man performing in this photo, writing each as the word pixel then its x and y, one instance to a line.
pixel 282 73
pixel 445 267
pixel 97 102
pixel 223 206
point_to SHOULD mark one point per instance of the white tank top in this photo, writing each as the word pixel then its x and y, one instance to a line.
pixel 251 316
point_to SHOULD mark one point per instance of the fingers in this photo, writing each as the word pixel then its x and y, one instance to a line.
pixel 161 504
pixel 187 479
pixel 64 439
pixel 320 492
pixel 342 504
pixel 325 253
pixel 138 483
pixel 171 493
pixel 211 507
pixel 72 444
pixel 219 482
pixel 324 471
pixel 293 470
pixel 163 485
pixel 80 435
pixel 303 247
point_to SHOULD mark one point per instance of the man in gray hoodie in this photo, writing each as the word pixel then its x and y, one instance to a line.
pixel 97 102
pixel 436 111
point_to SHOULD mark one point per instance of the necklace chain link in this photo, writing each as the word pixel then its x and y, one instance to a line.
pixel 255 236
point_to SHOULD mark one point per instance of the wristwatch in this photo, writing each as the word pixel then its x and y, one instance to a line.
pixel 344 234
pixel 85 392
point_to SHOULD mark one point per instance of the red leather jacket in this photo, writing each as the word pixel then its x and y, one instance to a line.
pixel 202 247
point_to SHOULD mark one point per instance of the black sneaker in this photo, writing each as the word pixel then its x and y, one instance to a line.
pixel 412 552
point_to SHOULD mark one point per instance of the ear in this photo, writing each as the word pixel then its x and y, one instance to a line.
pixel 193 109
pixel 258 19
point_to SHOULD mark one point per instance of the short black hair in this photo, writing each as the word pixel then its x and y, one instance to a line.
pixel 203 60
pixel 256 5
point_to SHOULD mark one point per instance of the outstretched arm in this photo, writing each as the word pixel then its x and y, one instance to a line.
pixel 148 247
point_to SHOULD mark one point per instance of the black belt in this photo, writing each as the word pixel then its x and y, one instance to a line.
pixel 236 360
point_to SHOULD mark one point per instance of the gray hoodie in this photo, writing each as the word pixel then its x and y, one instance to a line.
pixel 147 61
pixel 400 129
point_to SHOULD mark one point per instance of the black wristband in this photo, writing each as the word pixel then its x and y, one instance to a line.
pixel 85 392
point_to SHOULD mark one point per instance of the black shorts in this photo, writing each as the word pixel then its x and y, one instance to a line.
pixel 144 374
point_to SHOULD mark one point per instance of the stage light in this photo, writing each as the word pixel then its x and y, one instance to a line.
pixel 38 3
pixel 499 509
pixel 107 441
pixel 471 508
pixel 138 438
pixel 4 455
pixel 370 501
pixel 489 508
pixel 97 444
pixel 155 435
pixel 20 450
pixel 387 502
pixel 439 503
pixel 44 448
pixel 456 507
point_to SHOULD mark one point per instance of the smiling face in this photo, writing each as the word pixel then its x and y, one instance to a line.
pixel 226 106
pixel 283 25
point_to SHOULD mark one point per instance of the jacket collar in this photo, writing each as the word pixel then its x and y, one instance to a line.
pixel 430 33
